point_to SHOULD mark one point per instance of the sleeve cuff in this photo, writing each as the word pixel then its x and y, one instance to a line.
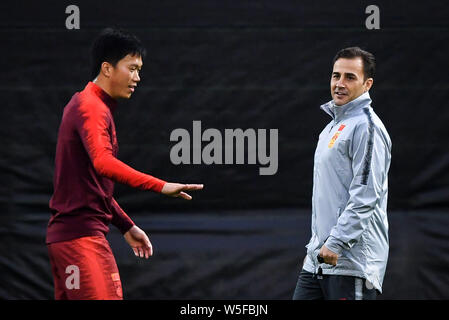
pixel 125 226
pixel 154 184
pixel 334 245
pixel 160 186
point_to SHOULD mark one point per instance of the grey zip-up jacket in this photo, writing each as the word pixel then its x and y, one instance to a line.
pixel 350 190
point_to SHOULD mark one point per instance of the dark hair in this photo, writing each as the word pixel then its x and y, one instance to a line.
pixel 369 62
pixel 111 46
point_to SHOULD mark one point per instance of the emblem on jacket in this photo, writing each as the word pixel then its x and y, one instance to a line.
pixel 334 138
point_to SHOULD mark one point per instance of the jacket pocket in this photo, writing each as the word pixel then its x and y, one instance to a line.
pixel 311 246
pixel 342 148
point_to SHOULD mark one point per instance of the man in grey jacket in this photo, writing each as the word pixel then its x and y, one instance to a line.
pixel 348 251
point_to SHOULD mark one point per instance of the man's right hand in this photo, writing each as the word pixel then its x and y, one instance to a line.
pixel 177 189
pixel 329 256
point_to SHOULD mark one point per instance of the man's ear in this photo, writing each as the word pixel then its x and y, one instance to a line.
pixel 106 69
pixel 368 84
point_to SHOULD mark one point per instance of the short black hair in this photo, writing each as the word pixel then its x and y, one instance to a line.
pixel 111 46
pixel 369 62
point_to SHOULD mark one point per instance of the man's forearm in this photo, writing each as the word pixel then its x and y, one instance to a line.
pixel 110 167
pixel 119 218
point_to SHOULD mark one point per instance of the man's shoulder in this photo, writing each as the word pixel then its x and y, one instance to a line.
pixel 367 117
pixel 368 123
pixel 83 108
pixel 374 121
pixel 91 104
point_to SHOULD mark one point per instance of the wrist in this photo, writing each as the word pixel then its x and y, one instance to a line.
pixel 333 245
pixel 128 228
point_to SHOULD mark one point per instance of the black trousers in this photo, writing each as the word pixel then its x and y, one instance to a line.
pixel 332 287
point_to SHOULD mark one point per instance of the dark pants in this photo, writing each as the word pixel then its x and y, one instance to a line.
pixel 332 287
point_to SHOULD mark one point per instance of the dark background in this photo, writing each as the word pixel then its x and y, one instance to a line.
pixel 230 64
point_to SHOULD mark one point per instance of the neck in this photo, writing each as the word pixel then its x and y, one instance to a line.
pixel 103 84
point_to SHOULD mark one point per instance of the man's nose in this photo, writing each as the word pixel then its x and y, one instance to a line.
pixel 340 84
pixel 136 77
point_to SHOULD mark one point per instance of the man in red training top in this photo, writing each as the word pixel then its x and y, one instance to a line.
pixel 86 167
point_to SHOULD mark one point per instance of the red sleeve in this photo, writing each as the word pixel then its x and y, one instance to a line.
pixel 119 218
pixel 93 128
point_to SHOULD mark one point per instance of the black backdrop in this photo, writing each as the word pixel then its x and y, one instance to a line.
pixel 230 64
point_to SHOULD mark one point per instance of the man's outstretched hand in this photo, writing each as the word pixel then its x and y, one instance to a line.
pixel 177 190
pixel 139 242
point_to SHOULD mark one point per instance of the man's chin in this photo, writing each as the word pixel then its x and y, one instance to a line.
pixel 126 96
pixel 339 101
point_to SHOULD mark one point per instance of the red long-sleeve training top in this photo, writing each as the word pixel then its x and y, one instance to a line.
pixel 86 168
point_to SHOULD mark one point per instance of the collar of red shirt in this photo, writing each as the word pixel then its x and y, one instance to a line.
pixel 99 92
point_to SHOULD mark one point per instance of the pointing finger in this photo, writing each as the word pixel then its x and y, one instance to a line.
pixel 190 187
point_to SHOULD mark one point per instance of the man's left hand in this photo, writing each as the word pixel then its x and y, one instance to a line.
pixel 329 256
